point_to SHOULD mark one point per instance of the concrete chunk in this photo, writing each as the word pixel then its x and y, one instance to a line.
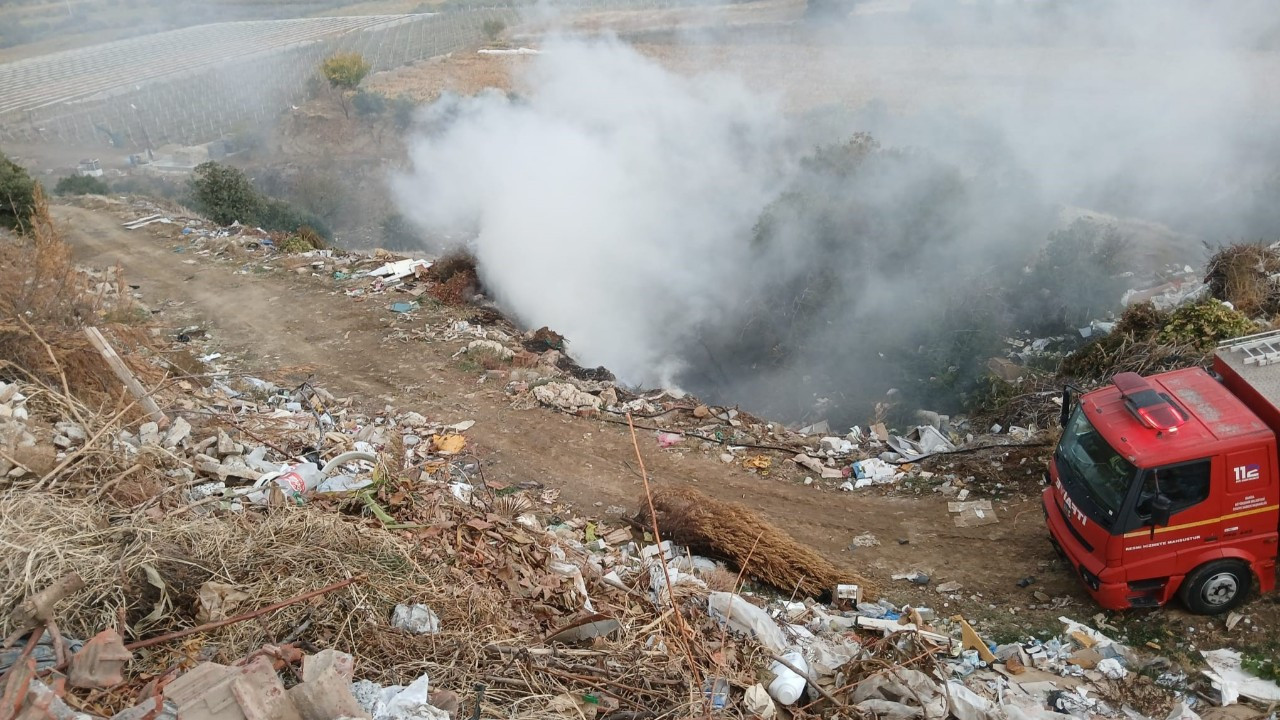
pixel 178 432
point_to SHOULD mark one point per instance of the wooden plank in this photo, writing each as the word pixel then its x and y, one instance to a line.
pixel 126 376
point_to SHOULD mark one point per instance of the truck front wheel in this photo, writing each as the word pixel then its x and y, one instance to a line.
pixel 1216 587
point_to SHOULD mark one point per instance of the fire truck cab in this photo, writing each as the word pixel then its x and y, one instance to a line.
pixel 1168 485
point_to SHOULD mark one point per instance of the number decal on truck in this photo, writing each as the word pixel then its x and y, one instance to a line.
pixel 1252 471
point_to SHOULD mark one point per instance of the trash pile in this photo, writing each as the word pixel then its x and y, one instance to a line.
pixel 211 544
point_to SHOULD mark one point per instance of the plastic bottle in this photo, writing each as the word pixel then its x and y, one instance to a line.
pixel 294 482
pixel 787 686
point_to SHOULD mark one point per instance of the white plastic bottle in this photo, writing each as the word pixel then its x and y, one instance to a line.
pixel 787 686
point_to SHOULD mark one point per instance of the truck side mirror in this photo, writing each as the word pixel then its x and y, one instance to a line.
pixel 1066 406
pixel 1161 508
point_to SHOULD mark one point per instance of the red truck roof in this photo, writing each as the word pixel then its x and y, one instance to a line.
pixel 1215 416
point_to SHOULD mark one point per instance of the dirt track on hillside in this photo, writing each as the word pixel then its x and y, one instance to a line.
pixel 284 327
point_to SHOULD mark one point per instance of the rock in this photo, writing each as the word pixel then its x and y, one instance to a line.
pixel 225 444
pixel 417 619
pixel 490 346
pixel 72 431
pixel 411 440
pixel 865 540
pixel 178 432
pixel 949 587
pixel 149 434
pixel 7 391
pixel 702 412
pixel 609 397
pixel 566 397
pixel 62 441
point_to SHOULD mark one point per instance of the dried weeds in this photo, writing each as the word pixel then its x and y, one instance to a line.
pixel 730 530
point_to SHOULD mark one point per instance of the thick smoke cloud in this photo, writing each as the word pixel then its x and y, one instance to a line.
pixel 610 202
pixel 686 231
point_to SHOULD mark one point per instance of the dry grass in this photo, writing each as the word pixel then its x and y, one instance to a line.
pixel 44 303
pixel 272 557
pixel 454 277
pixel 729 530
pixel 1241 275
pixel 281 553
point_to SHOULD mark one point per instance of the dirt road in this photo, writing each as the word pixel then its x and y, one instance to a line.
pixel 284 326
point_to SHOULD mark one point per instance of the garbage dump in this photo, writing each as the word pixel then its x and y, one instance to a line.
pixel 209 543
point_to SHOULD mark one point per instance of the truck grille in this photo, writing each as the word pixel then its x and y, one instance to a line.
pixel 1072 528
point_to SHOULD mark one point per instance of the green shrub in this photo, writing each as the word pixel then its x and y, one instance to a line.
pixel 280 215
pixel 1204 324
pixel 369 103
pixel 305 240
pixel 17 195
pixel 225 195
pixel 402 108
pixel 492 28
pixel 81 185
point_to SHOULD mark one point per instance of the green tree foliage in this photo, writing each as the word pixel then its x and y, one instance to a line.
pixel 369 103
pixel 344 71
pixel 81 185
pixel 17 195
pixel 225 194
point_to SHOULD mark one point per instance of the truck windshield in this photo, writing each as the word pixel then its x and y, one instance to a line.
pixel 1087 462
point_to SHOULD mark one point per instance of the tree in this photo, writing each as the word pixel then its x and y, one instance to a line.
pixel 368 104
pixel 17 195
pixel 224 194
pixel 81 185
pixel 344 71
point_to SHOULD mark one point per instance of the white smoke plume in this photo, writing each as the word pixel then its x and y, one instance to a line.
pixel 681 229
pixel 610 201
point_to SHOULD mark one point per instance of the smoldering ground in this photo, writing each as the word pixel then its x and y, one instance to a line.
pixel 693 230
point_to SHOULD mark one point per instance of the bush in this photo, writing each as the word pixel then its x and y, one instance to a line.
pixel 369 103
pixel 402 109
pixel 280 215
pixel 492 28
pixel 225 195
pixel 1076 278
pixel 81 185
pixel 305 240
pixel 17 195
pixel 1204 324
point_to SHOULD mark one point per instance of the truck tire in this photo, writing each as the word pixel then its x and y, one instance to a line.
pixel 1216 587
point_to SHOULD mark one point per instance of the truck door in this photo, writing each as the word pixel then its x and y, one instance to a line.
pixel 1194 520
pixel 1249 496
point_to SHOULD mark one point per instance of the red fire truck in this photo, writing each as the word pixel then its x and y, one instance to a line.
pixel 1169 485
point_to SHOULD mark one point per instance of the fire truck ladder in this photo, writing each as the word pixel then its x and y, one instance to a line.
pixel 1260 349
